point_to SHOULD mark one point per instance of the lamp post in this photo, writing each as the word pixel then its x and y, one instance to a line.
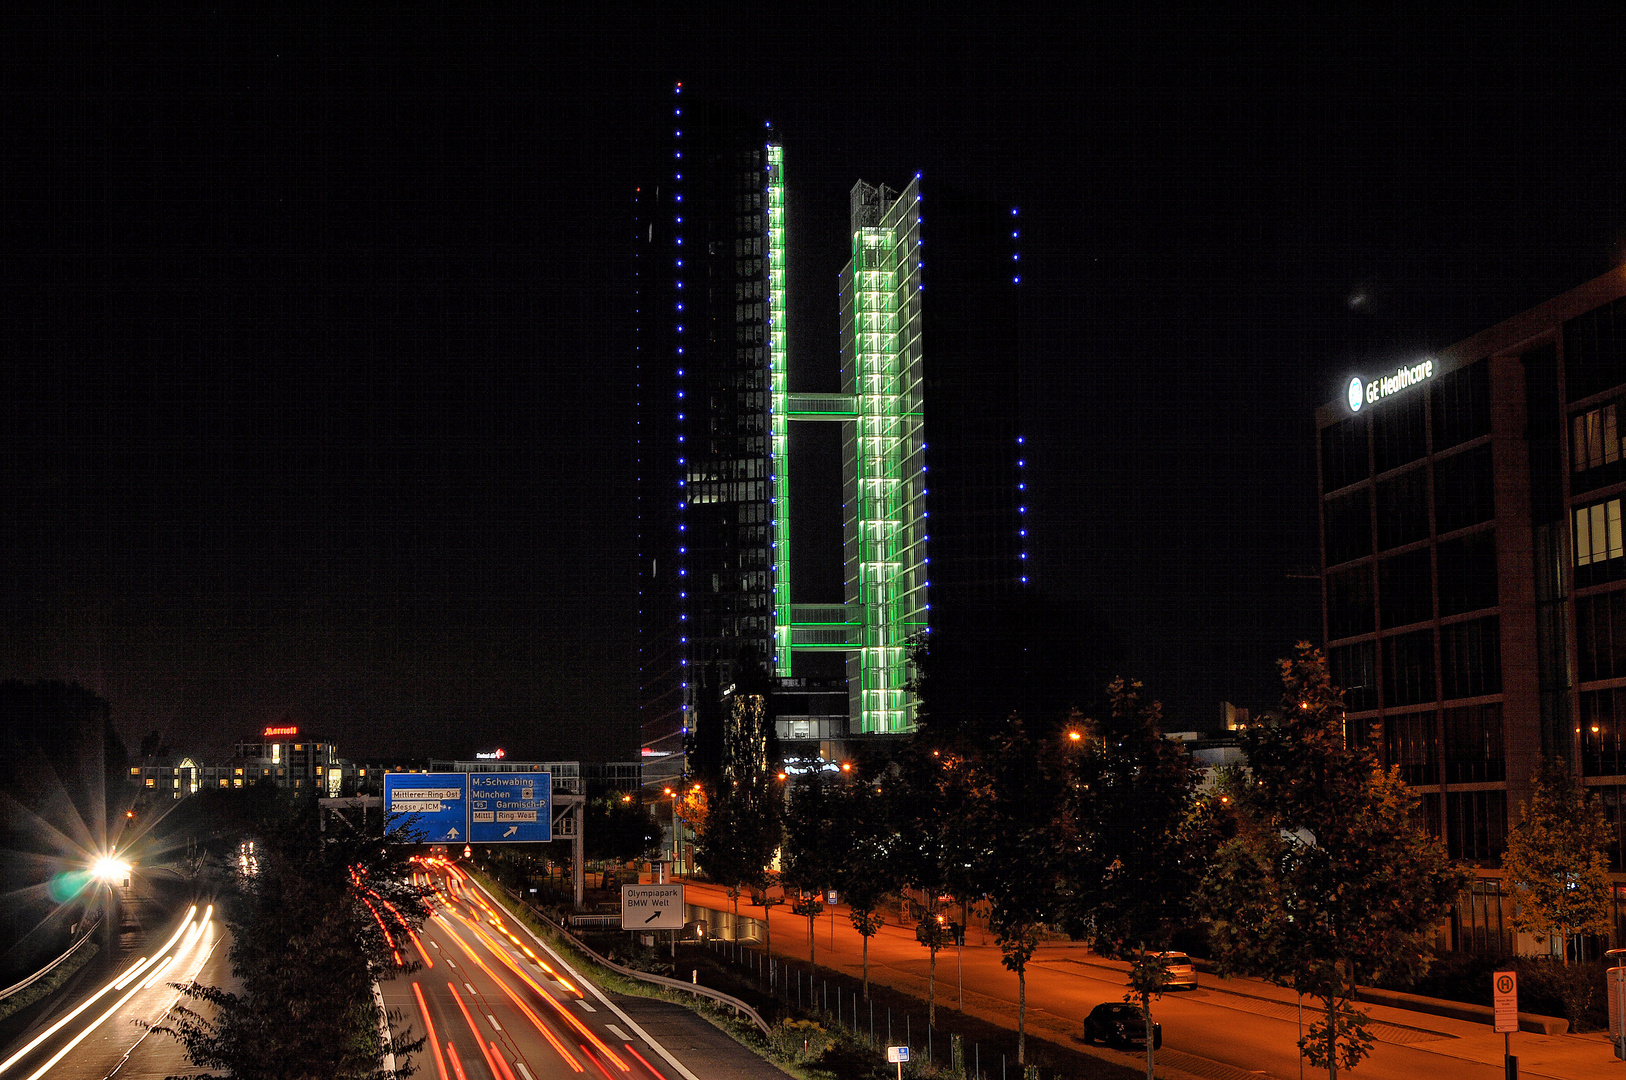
pixel 677 844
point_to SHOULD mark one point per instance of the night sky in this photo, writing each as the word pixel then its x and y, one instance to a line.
pixel 316 334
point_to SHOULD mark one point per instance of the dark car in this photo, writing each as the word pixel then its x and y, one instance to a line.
pixel 1117 1023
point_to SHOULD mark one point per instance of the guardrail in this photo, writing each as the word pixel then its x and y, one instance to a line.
pixel 739 1007
pixel 48 968
pixel 612 922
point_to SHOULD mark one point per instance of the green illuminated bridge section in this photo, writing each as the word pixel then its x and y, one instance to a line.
pixel 822 407
pixel 826 627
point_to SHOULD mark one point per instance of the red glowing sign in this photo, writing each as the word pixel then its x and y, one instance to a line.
pixel 274 731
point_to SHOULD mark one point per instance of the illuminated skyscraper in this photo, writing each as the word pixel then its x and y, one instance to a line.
pixel 932 479
pixel 931 456
pixel 710 296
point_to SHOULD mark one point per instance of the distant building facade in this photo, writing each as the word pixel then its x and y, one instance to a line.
pixel 1474 575
pixel 279 755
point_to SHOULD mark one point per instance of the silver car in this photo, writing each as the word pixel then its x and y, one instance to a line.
pixel 1182 972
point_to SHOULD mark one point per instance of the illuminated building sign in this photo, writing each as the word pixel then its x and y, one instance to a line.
pixel 495 755
pixel 1360 393
pixel 272 732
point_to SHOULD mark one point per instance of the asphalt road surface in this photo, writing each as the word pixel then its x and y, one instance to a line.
pixel 100 1035
pixel 497 1003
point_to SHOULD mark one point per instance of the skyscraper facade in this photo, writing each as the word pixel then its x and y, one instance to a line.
pixel 934 534
pixel 932 464
pixel 709 292
pixel 1475 579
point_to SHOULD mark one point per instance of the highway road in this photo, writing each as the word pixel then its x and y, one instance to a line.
pixel 498 1004
pixel 98 1036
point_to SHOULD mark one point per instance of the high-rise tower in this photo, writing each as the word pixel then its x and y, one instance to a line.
pixel 710 297
pixel 932 464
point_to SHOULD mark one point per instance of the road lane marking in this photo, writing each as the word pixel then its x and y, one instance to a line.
pixel 681 1069
pixel 526 1073
pixel 583 1003
pixel 618 1033
pixel 479 1043
pixel 502 955
pixel 547 1032
pixel 494 1023
pixel 134 970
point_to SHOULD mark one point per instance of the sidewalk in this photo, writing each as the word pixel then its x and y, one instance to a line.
pixel 1060 991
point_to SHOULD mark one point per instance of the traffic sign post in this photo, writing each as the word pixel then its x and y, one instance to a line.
pixel 1617 1008
pixel 652 907
pixel 1505 1007
pixel 510 808
pixel 898 1054
pixel 438 800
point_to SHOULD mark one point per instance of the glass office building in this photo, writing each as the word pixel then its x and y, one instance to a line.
pixel 709 294
pixel 1474 573
pixel 928 370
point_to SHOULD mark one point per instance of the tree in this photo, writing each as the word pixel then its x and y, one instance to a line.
pixel 810 857
pixel 1556 860
pixel 1018 830
pixel 744 826
pixel 865 862
pixel 618 827
pixel 1142 837
pixel 1328 880
pixel 932 804
pixel 323 918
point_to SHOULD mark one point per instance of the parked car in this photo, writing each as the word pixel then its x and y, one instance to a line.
pixel 1120 1024
pixel 1182 972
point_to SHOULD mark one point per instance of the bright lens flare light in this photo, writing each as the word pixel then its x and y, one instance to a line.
pixel 107 868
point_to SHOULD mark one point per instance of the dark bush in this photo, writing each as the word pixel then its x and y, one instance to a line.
pixel 1546 987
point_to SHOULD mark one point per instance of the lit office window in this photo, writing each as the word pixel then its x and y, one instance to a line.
pixel 1597 533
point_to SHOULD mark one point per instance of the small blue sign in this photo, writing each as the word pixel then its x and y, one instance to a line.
pixel 510 808
pixel 438 801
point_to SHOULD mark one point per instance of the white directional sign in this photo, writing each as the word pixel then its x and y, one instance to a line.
pixel 897 1053
pixel 1505 994
pixel 652 907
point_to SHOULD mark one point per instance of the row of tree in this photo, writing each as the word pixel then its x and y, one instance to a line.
pixel 1311 868
pixel 316 917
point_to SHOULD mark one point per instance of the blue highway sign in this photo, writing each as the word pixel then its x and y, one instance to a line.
pixel 438 799
pixel 510 808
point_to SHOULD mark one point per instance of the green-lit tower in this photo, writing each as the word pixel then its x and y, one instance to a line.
pixel 883 474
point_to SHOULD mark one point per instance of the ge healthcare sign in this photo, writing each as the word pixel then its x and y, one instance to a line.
pixel 483 808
